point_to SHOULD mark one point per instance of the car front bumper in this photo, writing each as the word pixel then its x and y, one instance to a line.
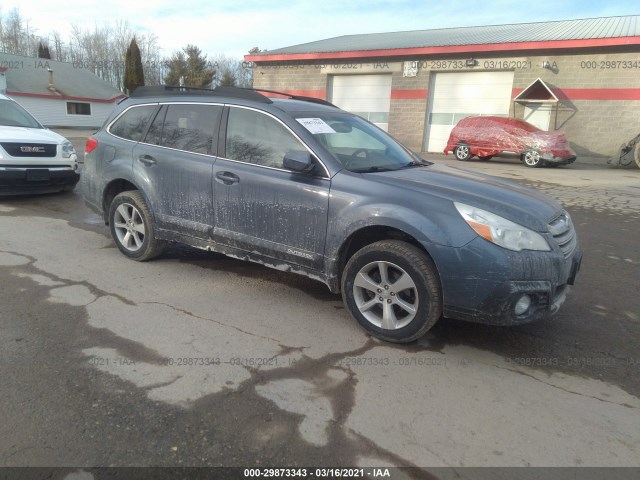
pixel 492 281
pixel 560 159
pixel 16 180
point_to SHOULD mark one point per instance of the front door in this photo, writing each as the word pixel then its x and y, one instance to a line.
pixel 259 205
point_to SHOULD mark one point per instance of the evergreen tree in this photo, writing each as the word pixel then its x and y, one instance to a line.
pixel 43 51
pixel 133 72
pixel 191 64
pixel 228 79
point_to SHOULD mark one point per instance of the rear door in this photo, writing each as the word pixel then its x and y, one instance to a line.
pixel 259 205
pixel 174 163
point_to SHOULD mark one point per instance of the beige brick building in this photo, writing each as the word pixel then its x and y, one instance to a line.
pixel 584 78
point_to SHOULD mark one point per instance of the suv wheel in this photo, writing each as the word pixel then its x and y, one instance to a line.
pixel 531 158
pixel 392 289
pixel 462 152
pixel 132 227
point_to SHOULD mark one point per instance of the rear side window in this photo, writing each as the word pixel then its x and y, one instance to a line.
pixel 188 127
pixel 253 137
pixel 131 125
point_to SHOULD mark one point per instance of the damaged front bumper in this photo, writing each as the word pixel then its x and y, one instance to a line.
pixel 521 287
pixel 559 160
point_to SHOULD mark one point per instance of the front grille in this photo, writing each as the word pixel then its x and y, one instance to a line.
pixel 564 233
pixel 26 149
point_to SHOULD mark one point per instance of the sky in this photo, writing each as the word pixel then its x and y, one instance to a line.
pixel 233 27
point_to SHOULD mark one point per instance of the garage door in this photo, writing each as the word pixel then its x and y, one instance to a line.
pixel 454 96
pixel 366 95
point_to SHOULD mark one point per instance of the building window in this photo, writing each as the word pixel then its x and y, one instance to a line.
pixel 75 108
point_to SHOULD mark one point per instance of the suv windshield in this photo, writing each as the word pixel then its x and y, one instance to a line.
pixel 357 144
pixel 13 115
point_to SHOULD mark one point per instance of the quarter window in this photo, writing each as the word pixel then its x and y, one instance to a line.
pixel 253 137
pixel 132 124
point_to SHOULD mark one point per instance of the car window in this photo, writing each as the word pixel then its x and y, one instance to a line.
pixel 254 137
pixel 189 127
pixel 357 144
pixel 13 115
pixel 132 123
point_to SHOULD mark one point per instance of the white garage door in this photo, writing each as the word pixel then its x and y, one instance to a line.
pixel 366 95
pixel 454 96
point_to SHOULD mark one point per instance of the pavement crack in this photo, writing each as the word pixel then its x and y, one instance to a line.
pixel 162 384
pixel 193 315
pixel 626 405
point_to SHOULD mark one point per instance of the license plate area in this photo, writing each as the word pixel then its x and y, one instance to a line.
pixel 37 175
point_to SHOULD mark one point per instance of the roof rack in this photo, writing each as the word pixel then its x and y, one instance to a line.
pixel 171 90
pixel 221 91
pixel 295 97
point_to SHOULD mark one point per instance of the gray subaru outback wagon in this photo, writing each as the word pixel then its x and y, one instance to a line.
pixel 300 185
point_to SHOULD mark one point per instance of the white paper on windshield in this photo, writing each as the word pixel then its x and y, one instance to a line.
pixel 315 125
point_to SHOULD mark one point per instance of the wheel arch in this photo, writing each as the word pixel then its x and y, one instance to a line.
pixel 367 235
pixel 113 188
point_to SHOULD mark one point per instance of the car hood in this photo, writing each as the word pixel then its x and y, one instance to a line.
pixel 24 134
pixel 523 205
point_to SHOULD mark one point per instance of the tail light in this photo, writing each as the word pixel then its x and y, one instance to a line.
pixel 91 145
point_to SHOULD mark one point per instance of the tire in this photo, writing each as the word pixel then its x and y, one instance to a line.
pixel 133 228
pixel 636 154
pixel 396 316
pixel 462 152
pixel 531 158
pixel 486 158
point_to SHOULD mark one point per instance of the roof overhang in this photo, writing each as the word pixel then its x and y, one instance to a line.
pixel 64 97
pixel 537 92
pixel 449 49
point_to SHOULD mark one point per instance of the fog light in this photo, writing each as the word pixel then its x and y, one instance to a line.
pixel 523 304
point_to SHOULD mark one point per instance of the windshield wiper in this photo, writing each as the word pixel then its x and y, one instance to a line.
pixel 414 163
pixel 373 169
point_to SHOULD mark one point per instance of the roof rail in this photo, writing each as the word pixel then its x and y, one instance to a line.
pixel 295 97
pixel 220 91
pixel 170 90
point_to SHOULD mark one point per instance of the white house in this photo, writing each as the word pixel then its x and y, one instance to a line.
pixel 58 94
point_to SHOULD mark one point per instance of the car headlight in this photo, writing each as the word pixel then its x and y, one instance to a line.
pixel 500 230
pixel 67 150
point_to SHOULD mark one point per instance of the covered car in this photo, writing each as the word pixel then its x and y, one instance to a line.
pixel 486 136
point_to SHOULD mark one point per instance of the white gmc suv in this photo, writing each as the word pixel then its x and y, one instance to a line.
pixel 33 159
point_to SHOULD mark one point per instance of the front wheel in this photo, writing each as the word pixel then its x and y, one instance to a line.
pixel 393 291
pixel 532 158
pixel 132 227
pixel 462 152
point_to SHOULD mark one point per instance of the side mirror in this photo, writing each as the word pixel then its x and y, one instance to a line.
pixel 298 161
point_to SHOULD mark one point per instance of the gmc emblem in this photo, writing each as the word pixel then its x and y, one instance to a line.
pixel 32 149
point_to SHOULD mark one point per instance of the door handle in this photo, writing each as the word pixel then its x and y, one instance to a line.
pixel 227 178
pixel 148 160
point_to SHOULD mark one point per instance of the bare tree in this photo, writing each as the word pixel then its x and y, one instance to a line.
pixel 232 68
pixel 101 50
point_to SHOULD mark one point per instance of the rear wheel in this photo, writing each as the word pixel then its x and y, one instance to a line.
pixel 393 291
pixel 462 152
pixel 532 158
pixel 132 227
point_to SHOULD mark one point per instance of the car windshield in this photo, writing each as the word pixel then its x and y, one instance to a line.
pixel 357 144
pixel 13 115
